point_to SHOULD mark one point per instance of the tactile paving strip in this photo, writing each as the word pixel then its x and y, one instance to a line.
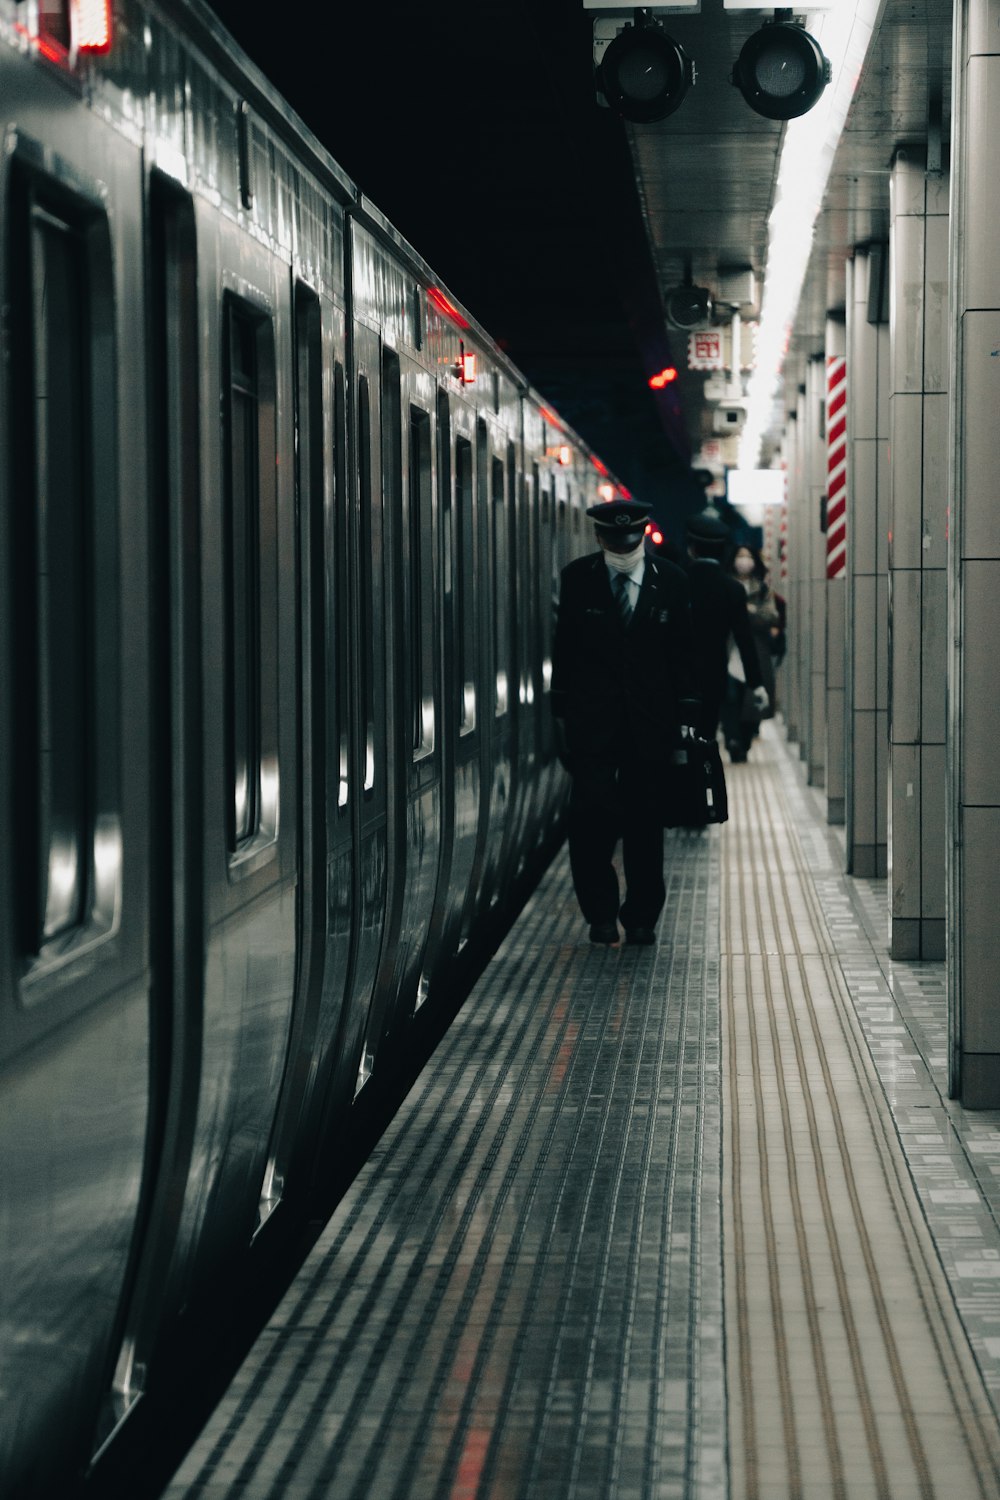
pixel 850 1374
pixel 521 1294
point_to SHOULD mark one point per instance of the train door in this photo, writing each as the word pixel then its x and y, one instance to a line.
pixel 462 731
pixel 369 748
pixel 501 695
pixel 226 763
pixel 415 745
pixel 75 816
pixel 495 654
pixel 325 894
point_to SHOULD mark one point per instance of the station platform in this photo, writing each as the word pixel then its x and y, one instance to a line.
pixel 689 1222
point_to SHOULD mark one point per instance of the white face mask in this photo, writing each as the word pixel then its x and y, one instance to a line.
pixel 624 562
pixel 744 566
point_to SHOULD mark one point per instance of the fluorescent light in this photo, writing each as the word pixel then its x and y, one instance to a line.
pixel 754 487
pixel 807 153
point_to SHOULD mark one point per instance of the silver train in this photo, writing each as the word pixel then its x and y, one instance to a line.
pixel 278 536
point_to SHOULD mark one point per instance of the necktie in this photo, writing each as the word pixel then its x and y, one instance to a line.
pixel 622 597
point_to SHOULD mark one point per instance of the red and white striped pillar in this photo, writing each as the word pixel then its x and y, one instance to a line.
pixel 836 466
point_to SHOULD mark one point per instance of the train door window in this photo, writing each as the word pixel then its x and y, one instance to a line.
pixel 310 469
pixel 421 580
pixel 401 667
pixel 250 584
pixel 465 553
pixel 370 570
pixel 501 585
pixel 338 595
pixel 548 583
pixel 64 587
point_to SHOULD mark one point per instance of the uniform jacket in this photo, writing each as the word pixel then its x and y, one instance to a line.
pixel 718 610
pixel 617 687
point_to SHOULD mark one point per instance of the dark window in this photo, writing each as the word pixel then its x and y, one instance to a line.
pixel 366 570
pixel 310 474
pixel 339 689
pixel 63 594
pixel 421 592
pixel 465 594
pixel 250 585
pixel 501 586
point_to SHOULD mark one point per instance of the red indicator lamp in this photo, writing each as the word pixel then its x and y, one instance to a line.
pixel 93 25
pixel 654 533
pixel 662 378
pixel 67 28
pixel 445 305
pixel 465 368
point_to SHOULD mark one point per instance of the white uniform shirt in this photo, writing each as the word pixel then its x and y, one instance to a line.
pixel 633 579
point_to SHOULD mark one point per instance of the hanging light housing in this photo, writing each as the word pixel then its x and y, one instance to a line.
pixel 644 74
pixel 781 71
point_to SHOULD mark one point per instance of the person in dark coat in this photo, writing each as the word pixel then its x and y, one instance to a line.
pixel 622 684
pixel 740 718
pixel 718 613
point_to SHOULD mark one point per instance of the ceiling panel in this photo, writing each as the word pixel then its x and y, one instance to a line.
pixel 706 174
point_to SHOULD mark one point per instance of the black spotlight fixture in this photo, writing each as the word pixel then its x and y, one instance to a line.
pixel 644 74
pixel 781 71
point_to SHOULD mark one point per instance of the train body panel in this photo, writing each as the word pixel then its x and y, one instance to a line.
pixel 277 568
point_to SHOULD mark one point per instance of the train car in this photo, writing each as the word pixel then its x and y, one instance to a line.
pixel 279 533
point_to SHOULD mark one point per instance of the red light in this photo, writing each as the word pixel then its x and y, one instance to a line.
pixel 606 491
pixel 665 376
pixel 446 306
pixel 467 368
pixel 550 416
pixel 94 25
pixel 599 466
pixel 564 454
pixel 657 537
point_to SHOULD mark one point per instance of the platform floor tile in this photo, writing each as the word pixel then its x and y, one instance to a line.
pixel 850 1372
pixel 521 1294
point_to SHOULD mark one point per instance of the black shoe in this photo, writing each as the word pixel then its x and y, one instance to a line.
pixel 644 935
pixel 605 932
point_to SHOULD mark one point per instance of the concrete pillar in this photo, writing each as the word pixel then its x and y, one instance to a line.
pixel 867 674
pixel 918 579
pixel 816 494
pixel 836 563
pixel 974 560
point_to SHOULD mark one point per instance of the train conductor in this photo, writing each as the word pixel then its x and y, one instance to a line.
pixel 622 683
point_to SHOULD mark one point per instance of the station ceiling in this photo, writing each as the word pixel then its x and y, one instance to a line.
pixel 475 128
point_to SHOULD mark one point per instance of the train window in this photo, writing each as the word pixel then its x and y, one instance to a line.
pixel 465 552
pixel 310 471
pixel 250 503
pixel 341 553
pixel 421 592
pixel 501 585
pixel 367 566
pixel 548 575
pixel 65 585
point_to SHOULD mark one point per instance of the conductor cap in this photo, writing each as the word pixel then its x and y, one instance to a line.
pixel 620 515
pixel 704 527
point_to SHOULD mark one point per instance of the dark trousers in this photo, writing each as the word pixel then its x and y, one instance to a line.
pixel 608 803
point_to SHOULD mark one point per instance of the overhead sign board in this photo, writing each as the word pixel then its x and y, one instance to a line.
pixel 705 351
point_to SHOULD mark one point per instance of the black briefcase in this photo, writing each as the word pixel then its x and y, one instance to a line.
pixel 694 791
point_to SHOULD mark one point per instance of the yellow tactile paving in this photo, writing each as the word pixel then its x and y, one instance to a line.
pixel 849 1374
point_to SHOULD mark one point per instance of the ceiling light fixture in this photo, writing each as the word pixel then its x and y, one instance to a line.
pixel 644 74
pixel 781 71
pixel 807 153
